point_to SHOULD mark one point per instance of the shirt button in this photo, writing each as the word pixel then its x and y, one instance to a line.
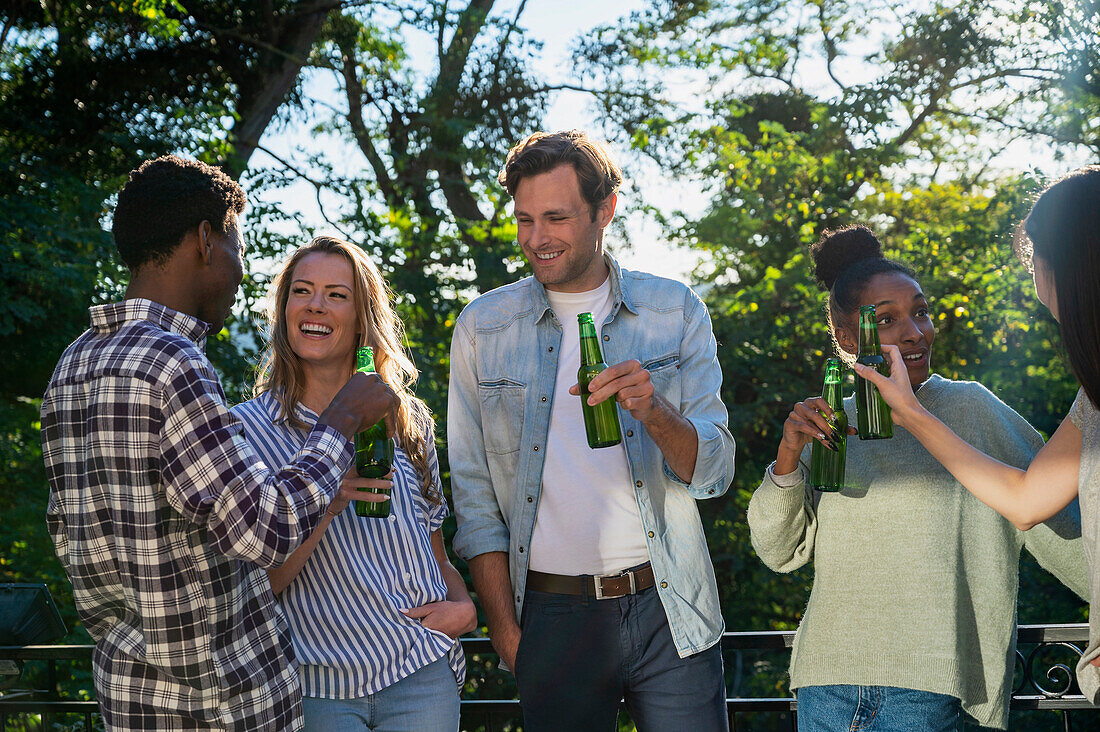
pixel 664 585
pixel 711 491
pixel 544 399
pixel 607 337
pixel 517 598
pixel 536 448
pixel 638 483
pixel 521 550
pixel 393 517
pixel 630 433
pixel 408 577
pixel 551 348
pixel 530 499
pixel 650 534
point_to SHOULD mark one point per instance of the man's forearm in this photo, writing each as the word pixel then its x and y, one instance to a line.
pixel 674 436
pixel 489 572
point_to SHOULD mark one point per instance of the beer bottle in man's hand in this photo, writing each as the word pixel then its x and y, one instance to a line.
pixel 373 450
pixel 601 422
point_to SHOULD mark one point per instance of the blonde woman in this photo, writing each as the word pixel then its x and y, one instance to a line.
pixel 375 607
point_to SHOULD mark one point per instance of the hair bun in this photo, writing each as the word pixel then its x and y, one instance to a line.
pixel 839 249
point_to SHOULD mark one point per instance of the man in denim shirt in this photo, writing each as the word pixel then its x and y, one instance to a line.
pixel 600 552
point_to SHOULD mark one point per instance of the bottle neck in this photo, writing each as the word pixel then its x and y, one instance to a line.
pixel 590 345
pixel 831 393
pixel 868 336
pixel 365 361
pixel 830 390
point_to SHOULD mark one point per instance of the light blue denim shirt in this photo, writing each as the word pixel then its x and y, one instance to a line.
pixel 504 361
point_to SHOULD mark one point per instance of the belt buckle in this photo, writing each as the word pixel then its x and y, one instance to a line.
pixel 598 581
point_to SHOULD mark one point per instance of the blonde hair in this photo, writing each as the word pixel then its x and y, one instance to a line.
pixel 378 326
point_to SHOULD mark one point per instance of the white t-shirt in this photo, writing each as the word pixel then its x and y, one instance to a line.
pixel 588 520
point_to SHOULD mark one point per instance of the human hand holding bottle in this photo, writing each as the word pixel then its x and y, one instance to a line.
pixel 809 420
pixel 354 488
pixel 362 402
pixel 895 388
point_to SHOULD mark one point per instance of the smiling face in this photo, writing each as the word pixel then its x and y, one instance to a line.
pixel 903 320
pixel 320 311
pixel 557 233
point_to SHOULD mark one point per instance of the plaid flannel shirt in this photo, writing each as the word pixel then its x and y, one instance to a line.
pixel 164 518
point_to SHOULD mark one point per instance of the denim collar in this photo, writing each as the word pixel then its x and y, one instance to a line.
pixel 620 295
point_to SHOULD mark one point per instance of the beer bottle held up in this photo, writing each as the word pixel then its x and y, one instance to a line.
pixel 872 412
pixel 601 422
pixel 827 466
pixel 373 449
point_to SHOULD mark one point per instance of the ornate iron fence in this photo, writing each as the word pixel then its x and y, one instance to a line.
pixel 1046 656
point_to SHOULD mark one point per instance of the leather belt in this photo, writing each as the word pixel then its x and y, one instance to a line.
pixel 601 587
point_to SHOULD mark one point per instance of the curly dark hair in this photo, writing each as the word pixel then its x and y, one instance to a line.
pixel 598 174
pixel 163 200
pixel 845 260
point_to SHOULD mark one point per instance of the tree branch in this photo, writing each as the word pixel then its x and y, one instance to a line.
pixel 506 126
pixel 8 23
pixel 318 187
pixel 262 93
pixel 354 92
pixel 830 47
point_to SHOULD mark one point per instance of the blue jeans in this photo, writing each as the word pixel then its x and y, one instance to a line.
pixel 845 708
pixel 578 657
pixel 425 701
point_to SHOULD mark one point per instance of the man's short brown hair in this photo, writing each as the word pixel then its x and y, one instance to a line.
pixel 598 174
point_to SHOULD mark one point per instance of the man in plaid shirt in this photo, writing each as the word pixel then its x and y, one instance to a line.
pixel 162 515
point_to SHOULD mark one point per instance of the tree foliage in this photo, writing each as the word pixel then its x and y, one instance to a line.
pixel 420 195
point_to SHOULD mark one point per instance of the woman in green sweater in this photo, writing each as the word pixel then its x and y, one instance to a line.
pixel 911 619
pixel 1060 242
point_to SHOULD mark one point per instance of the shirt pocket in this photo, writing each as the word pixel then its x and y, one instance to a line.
pixel 502 408
pixel 664 372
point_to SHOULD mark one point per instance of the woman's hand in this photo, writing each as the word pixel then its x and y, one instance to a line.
pixel 354 488
pixel 447 616
pixel 809 420
pixel 895 389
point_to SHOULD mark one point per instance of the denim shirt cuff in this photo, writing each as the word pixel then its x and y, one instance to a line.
pixel 695 489
pixel 709 478
pixel 469 543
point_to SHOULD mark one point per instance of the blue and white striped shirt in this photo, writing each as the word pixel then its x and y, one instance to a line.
pixel 344 607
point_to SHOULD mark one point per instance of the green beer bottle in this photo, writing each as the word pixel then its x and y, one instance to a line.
pixel 827 466
pixel 373 450
pixel 872 412
pixel 601 422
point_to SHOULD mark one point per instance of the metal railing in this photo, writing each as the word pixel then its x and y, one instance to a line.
pixel 1046 657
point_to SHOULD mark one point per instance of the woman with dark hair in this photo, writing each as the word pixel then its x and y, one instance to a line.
pixel 1060 239
pixel 911 620
pixel 375 606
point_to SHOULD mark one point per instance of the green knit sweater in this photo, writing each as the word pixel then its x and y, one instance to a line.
pixel 915 580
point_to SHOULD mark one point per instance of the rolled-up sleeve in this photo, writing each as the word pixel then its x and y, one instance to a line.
pixel 701 404
pixel 481 525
